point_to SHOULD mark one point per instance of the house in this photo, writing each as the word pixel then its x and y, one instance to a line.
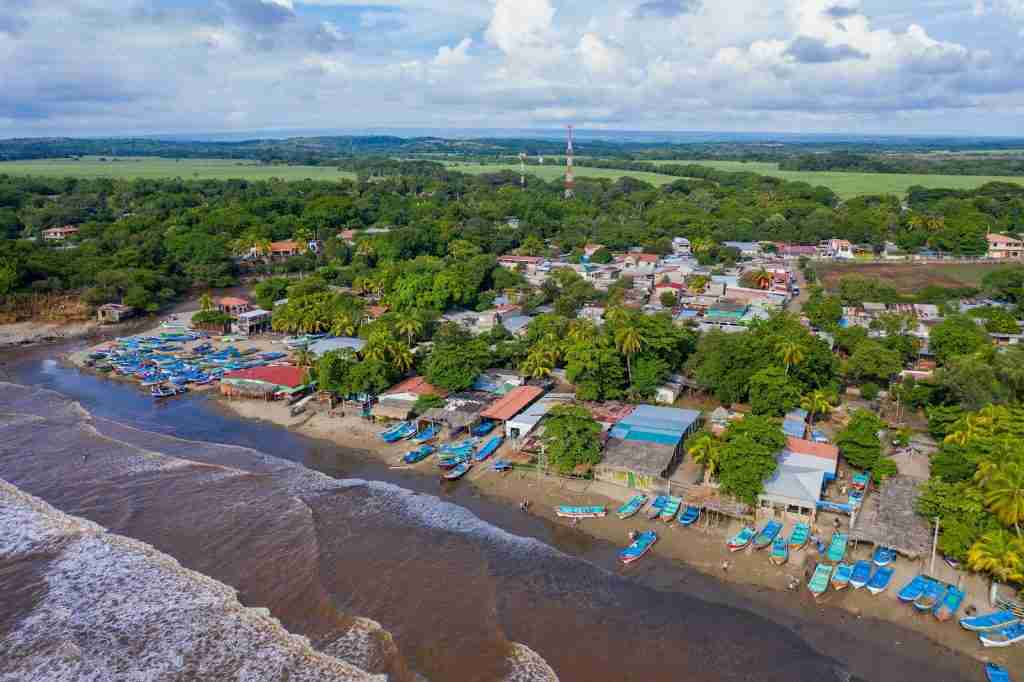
pixel 669 392
pixel 836 248
pixel 59 234
pixel 517 325
pixel 590 249
pixel 795 489
pixel 397 402
pixel 459 412
pixel 645 263
pixel 512 403
pixel 594 313
pixel 233 305
pixel 797 250
pixel 522 425
pixel 113 313
pixel 1000 246
pixel 318 348
pixel 525 264
pixel 255 321
pixel 264 382
pixel 644 446
pixel 375 312
pixel 681 246
pixel 498 381
pixel 726 311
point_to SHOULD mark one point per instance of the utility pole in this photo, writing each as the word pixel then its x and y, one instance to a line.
pixel 935 545
pixel 570 176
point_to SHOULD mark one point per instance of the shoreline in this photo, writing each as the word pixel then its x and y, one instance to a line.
pixel 700 548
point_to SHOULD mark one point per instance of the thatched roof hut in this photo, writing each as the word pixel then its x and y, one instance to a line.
pixel 887 518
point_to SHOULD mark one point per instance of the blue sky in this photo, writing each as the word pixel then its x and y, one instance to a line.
pixel 92 67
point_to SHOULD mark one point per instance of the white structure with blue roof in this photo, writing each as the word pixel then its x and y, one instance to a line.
pixel 644 446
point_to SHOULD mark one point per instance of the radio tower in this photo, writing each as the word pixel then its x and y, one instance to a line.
pixel 570 177
pixel 522 169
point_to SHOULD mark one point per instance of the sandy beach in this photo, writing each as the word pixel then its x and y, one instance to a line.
pixel 25 333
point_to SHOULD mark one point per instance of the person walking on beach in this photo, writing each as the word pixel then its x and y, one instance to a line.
pixel 725 566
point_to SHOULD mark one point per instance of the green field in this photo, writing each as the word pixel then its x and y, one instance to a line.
pixel 557 172
pixel 849 185
pixel 187 169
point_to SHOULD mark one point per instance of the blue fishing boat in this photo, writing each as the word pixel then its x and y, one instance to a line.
pixel 451 461
pixel 1003 636
pixel 841 576
pixel 580 512
pixel 996 673
pixel 742 539
pixel 425 435
pixel 640 546
pixel 837 547
pixel 689 515
pixel 819 581
pixel 671 508
pixel 634 505
pixel 880 580
pixel 860 481
pixel 990 621
pixel 397 432
pixel 483 428
pixel 800 535
pixel 489 448
pixel 780 551
pixel 502 465
pixel 464 448
pixel 930 596
pixel 418 455
pixel 654 511
pixel 164 391
pixel 457 472
pixel 861 574
pixel 767 534
pixel 913 589
pixel 883 556
pixel 949 604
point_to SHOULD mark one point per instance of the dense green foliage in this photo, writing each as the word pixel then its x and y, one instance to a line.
pixel 773 392
pixel 747 456
pixel 981 164
pixel 859 442
pixel 571 438
pixel 956 335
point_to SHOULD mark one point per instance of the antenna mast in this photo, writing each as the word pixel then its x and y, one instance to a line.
pixel 522 169
pixel 570 177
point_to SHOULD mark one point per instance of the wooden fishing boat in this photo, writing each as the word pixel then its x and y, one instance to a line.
pixel 767 535
pixel 630 508
pixel 483 428
pixel 818 583
pixel 800 535
pixel 914 589
pixel 489 448
pixel 654 511
pixel 742 539
pixel 1003 636
pixel 861 574
pixel 671 508
pixel 457 472
pixel 841 576
pixel 418 455
pixel 883 556
pixel 780 551
pixel 639 547
pixel 837 547
pixel 990 621
pixel 949 604
pixel 164 391
pixel 451 461
pixel 689 515
pixel 880 580
pixel 570 512
pixel 930 596
pixel 996 673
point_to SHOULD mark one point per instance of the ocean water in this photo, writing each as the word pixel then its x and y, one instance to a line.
pixel 320 535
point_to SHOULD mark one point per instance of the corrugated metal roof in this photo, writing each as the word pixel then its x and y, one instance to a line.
pixel 417 385
pixel 808 447
pixel 794 428
pixel 327 345
pixel 280 375
pixel 512 403
pixel 652 424
pixel 795 483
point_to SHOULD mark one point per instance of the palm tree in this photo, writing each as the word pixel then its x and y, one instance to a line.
pixel 1004 494
pixel 700 244
pixel 344 324
pixel 817 402
pixel 1000 554
pixel 762 278
pixel 303 357
pixel 401 356
pixel 410 325
pixel 629 342
pixel 704 451
pixel 580 330
pixel 206 303
pixel 537 364
pixel 791 353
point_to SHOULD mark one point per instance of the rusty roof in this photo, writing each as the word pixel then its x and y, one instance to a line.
pixel 512 403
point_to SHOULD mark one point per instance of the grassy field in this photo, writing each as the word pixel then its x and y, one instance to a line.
pixel 849 185
pixel 556 172
pixel 908 277
pixel 188 169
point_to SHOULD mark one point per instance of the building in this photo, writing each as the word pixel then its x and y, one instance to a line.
pixel 59 234
pixel 460 412
pixel 512 403
pixel 836 248
pixel 318 348
pixel 233 305
pixel 522 425
pixel 255 321
pixel 1000 246
pixel 397 402
pixel 795 489
pixel 525 264
pixel 643 447
pixel 681 246
pixel 113 313
pixel 746 249
pixel 797 250
pixel 264 382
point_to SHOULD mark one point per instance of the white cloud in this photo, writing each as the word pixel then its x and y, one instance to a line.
pixel 453 56
pixel 520 25
pixel 598 57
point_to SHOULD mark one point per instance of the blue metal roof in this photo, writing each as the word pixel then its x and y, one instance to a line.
pixel 794 428
pixel 653 424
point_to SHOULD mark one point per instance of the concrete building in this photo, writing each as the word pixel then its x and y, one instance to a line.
pixel 59 234
pixel 1001 247
pixel 113 313
pixel 644 446
pixel 232 305
pixel 795 489
pixel 255 321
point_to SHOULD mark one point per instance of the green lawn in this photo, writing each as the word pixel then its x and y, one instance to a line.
pixel 188 169
pixel 849 185
pixel 557 172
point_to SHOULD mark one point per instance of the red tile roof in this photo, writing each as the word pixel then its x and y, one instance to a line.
pixel 808 447
pixel 284 246
pixel 280 375
pixel 648 258
pixel 520 259
pixel 376 311
pixel 512 403
pixel 417 385
pixel 231 301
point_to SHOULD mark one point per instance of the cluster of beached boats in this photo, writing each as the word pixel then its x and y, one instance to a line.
pixel 163 364
pixel 454 459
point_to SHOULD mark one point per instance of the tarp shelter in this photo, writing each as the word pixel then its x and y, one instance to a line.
pixel 461 411
pixel 643 446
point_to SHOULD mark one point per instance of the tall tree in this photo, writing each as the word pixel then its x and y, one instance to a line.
pixel 629 342
pixel 704 450
pixel 1004 493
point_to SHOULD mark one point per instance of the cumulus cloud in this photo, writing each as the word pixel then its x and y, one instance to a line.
pixel 519 25
pixel 816 51
pixel 453 56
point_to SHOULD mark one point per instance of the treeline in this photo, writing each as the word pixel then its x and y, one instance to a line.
pixel 909 164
